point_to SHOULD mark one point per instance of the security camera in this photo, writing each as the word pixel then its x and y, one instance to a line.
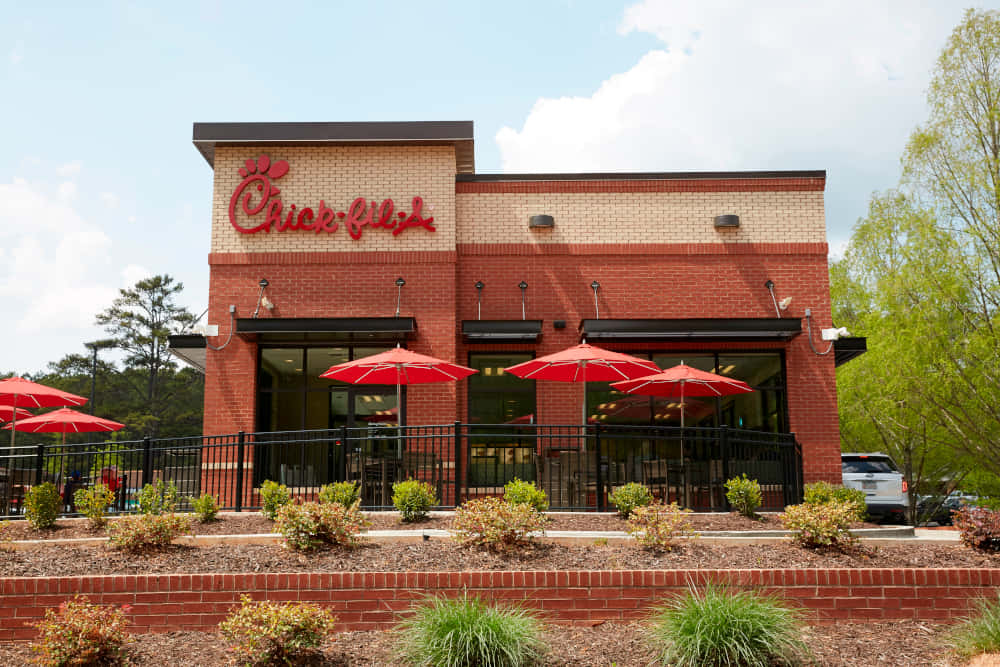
pixel 785 303
pixel 834 334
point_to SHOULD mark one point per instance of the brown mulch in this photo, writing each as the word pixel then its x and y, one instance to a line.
pixel 904 643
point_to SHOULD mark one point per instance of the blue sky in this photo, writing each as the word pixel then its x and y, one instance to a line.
pixel 100 184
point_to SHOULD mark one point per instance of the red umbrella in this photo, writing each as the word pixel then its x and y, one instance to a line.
pixel 65 421
pixel 8 412
pixel 22 393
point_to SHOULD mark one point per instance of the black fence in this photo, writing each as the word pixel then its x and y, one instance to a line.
pixel 577 467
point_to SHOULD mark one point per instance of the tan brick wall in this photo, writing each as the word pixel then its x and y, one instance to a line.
pixel 339 174
pixel 641 217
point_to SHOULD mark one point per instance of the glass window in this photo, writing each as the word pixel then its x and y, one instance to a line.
pixel 319 360
pixel 757 370
pixel 498 397
pixel 280 368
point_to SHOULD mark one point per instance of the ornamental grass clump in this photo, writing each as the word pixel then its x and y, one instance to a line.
pixel 468 632
pixel 821 493
pixel 342 493
pixel 659 526
pixel 517 491
pixel 414 499
pixel 269 633
pixel 205 507
pixel 744 495
pixel 309 526
pixel 81 633
pixel 147 531
pixel 980 632
pixel 273 496
pixel 159 498
pixel 496 524
pixel 721 627
pixel 826 525
pixel 629 496
pixel 94 502
pixel 978 527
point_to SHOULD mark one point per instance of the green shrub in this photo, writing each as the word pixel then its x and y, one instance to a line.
pixel 94 502
pixel 744 495
pixel 978 527
pixel 629 496
pixel 467 631
pixel 159 498
pixel 517 491
pixel 658 526
pixel 273 496
pixel 721 627
pixel 81 633
pixel 980 632
pixel 413 499
pixel 820 493
pixel 496 524
pixel 342 493
pixel 205 507
pixel 135 533
pixel 823 525
pixel 308 526
pixel 268 633
pixel 41 505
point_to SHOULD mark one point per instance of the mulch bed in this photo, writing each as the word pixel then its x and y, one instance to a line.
pixel 850 645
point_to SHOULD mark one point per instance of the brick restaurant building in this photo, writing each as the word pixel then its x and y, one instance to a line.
pixel 331 241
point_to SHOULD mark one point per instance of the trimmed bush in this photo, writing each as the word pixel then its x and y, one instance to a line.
pixel 516 491
pixel 342 493
pixel 308 526
pixel 273 496
pixel 268 633
pixel 467 631
pixel 744 495
pixel 824 525
pixel 496 524
pixel 146 531
pixel 94 502
pixel 159 498
pixel 978 527
pixel 205 507
pixel 41 505
pixel 413 499
pixel 980 632
pixel 721 627
pixel 629 496
pixel 81 633
pixel 820 493
pixel 658 526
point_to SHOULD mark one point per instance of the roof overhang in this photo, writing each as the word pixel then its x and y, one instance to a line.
pixel 734 329
pixel 189 348
pixel 459 134
pixel 501 331
pixel 326 329
pixel 845 349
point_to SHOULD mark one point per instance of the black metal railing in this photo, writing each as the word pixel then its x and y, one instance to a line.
pixel 577 467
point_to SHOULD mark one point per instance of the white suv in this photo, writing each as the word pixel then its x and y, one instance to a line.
pixel 878 476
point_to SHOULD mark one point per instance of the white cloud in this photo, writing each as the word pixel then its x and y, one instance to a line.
pixel 133 273
pixel 69 169
pixel 109 199
pixel 66 190
pixel 17 53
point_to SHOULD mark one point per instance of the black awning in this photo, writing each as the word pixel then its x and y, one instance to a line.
pixel 326 329
pixel 501 331
pixel 189 348
pixel 845 349
pixel 734 329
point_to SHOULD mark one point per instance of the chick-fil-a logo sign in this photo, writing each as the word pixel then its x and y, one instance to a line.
pixel 257 194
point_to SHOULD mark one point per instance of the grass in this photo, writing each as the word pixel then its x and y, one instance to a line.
pixel 720 627
pixel 979 633
pixel 468 632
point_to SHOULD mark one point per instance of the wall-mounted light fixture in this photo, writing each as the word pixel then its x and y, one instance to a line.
pixel 541 222
pixel 479 296
pixel 524 288
pixel 399 293
pixel 728 221
pixel 597 310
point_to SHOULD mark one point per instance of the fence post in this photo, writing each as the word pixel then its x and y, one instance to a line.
pixel 241 439
pixel 599 486
pixel 343 455
pixel 724 445
pixel 39 464
pixel 458 463
pixel 147 461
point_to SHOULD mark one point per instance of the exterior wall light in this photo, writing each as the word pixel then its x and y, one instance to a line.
pixel 727 221
pixel 541 222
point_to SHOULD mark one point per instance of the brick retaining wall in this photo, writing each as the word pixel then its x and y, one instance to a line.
pixel 362 601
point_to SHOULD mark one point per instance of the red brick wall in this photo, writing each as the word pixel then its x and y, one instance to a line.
pixel 363 601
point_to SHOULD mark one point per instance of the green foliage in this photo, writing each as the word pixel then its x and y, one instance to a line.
pixel 93 503
pixel 629 496
pixel 273 497
pixel 467 631
pixel 496 524
pixel 721 627
pixel 979 527
pixel 516 491
pixel 659 526
pixel 980 632
pixel 413 499
pixel 159 498
pixel 822 525
pixel 205 507
pixel 81 633
pixel 269 633
pixel 146 531
pixel 343 493
pixel 41 505
pixel 308 526
pixel 744 495
pixel 821 493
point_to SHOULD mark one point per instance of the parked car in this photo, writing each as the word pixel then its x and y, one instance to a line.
pixel 933 509
pixel 878 476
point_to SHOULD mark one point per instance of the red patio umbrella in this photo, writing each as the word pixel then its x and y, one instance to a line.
pixel 21 393
pixel 8 412
pixel 65 421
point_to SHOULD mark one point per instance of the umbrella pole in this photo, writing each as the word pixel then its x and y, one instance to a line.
pixel 687 498
pixel 399 419
pixel 583 406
